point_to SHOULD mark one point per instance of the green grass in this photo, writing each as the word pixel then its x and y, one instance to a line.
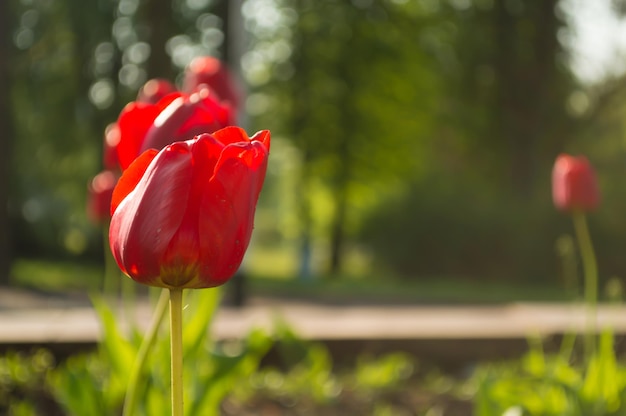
pixel 56 276
pixel 272 270
pixel 67 276
pixel 392 290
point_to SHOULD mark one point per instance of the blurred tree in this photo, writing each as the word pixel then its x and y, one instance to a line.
pixel 509 88
pixel 58 127
pixel 381 98
pixel 6 136
pixel 354 93
pixel 157 19
pixel 92 29
pixel 380 94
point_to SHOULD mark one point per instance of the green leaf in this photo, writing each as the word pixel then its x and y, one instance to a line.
pixel 603 381
pixel 117 351
pixel 199 317
pixel 226 370
pixel 76 390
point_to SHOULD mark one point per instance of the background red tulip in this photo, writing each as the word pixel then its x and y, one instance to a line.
pixel 215 74
pixel 182 217
pixel 109 153
pixel 574 184
pixel 100 192
pixel 187 116
pixel 176 117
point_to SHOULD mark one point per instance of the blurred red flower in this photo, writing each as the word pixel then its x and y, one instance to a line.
pixel 109 153
pixel 100 192
pixel 214 73
pixel 151 93
pixel 574 184
pixel 175 117
pixel 182 217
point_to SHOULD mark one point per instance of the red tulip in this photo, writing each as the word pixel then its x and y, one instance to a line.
pixel 111 140
pixel 100 192
pixel 574 184
pixel 182 217
pixel 213 73
pixel 175 117
pixel 150 94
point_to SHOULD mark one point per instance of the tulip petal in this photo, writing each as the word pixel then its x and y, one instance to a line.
pixel 167 100
pixel 163 131
pixel 134 122
pixel 209 113
pixel 227 210
pixel 131 177
pixel 231 135
pixel 182 256
pixel 262 136
pixel 147 219
pixel 207 150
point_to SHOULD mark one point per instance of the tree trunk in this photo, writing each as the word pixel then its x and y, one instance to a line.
pixel 526 74
pixel 305 271
pixel 337 236
pixel 158 15
pixel 6 136
pixel 508 104
pixel 300 114
pixel 340 194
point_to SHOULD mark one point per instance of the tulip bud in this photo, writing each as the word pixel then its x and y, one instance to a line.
pixel 182 217
pixel 109 151
pixel 574 184
pixel 175 117
pixel 213 73
pixel 100 192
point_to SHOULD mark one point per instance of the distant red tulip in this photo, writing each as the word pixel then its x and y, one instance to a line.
pixel 215 74
pixel 100 192
pixel 183 217
pixel 176 117
pixel 111 140
pixel 574 184
pixel 155 89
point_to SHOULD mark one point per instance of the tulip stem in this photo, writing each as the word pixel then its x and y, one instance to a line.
pixel 176 336
pixel 591 279
pixel 130 401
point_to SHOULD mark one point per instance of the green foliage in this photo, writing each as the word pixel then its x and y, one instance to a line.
pixel 382 374
pixel 57 141
pixel 390 289
pixel 389 93
pixel 305 379
pixel 551 385
pixel 355 95
pixel 440 228
pixel 22 383
pixel 95 384
pixel 55 275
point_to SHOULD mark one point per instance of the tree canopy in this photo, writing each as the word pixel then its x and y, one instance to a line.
pixel 434 119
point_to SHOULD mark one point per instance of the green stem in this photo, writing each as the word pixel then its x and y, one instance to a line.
pixel 591 279
pixel 130 401
pixel 176 335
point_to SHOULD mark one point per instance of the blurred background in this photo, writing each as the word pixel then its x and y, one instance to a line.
pixel 412 139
